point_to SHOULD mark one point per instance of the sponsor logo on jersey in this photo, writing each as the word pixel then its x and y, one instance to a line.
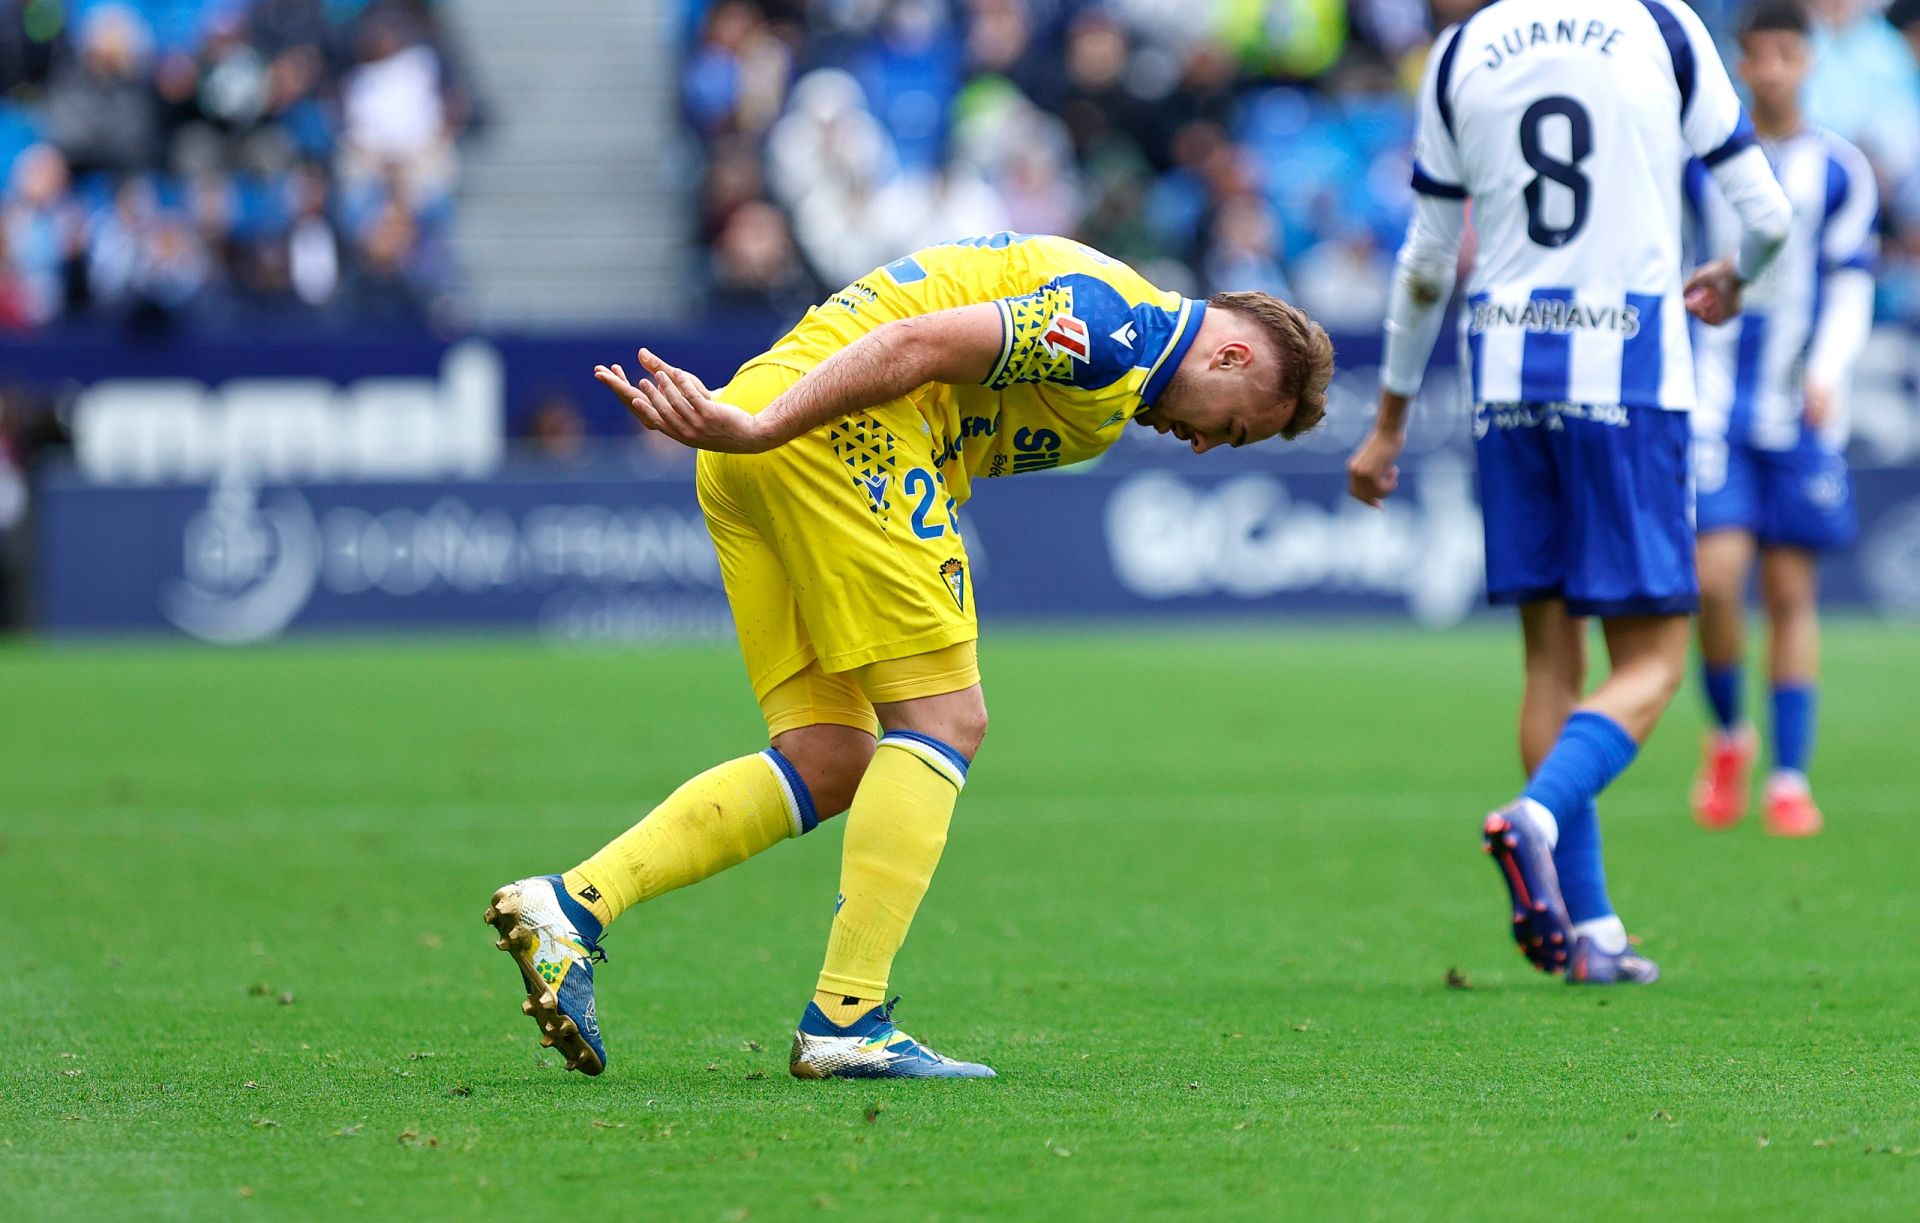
pixel 1113 420
pixel 1066 336
pixel 1560 317
pixel 1035 450
pixel 954 574
pixel 1126 334
pixel 875 484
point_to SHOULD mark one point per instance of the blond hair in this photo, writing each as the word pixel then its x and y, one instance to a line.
pixel 1306 354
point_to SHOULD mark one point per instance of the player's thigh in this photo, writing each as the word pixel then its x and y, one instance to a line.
pixel 766 614
pixel 860 520
pixel 1555 643
pixel 1521 504
pixel 1806 498
pixel 1631 533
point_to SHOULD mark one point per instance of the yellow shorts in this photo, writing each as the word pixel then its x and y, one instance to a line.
pixel 842 562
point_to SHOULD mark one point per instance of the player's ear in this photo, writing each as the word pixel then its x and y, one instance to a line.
pixel 1233 355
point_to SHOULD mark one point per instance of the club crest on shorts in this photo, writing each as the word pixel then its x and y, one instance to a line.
pixel 954 574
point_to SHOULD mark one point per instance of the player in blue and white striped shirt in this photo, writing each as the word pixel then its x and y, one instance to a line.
pixel 1771 425
pixel 1568 124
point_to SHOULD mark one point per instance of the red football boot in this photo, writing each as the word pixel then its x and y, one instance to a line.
pixel 1790 810
pixel 1720 790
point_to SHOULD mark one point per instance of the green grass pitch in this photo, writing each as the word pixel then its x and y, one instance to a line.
pixel 1199 907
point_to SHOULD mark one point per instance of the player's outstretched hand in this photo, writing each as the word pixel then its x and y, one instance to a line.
pixel 1713 292
pixel 1374 470
pixel 674 402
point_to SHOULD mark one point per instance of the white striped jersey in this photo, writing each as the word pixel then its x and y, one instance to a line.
pixel 1751 369
pixel 1569 124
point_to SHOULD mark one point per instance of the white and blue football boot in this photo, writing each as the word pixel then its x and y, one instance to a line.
pixel 1592 966
pixel 555 941
pixel 870 1047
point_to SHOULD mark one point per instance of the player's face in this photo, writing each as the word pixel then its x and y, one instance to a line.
pixel 1774 63
pixel 1230 402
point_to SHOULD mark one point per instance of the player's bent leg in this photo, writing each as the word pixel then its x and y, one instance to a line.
pixel 830 759
pixel 1720 788
pixel 1601 739
pixel 1789 582
pixel 552 926
pixel 1648 656
pixel 896 832
pixel 1556 654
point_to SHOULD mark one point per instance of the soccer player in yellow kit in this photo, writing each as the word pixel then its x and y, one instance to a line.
pixel 830 471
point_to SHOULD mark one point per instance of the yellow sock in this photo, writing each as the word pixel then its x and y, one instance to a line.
pixel 842 1009
pixel 719 819
pixel 895 832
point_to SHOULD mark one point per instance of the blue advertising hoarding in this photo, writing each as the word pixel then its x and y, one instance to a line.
pixel 241 489
pixel 586 554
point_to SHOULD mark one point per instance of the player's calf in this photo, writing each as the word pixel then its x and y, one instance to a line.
pixel 548 935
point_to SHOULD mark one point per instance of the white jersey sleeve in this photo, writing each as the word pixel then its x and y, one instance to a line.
pixel 1807 315
pixel 1719 133
pixel 1424 272
pixel 1712 120
pixel 1849 254
pixel 1436 158
pixel 1853 211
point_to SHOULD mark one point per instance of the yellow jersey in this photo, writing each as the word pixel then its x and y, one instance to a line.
pixel 1086 344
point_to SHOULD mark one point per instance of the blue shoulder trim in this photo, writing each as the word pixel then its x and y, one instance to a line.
pixel 1444 77
pixel 1742 138
pixel 1427 184
pixel 1678 48
pixel 1176 351
pixel 1838 186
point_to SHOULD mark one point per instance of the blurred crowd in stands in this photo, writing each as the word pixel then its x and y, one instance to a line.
pixel 195 162
pixel 1214 144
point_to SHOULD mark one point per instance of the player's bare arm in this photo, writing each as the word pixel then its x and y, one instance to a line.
pixel 958 345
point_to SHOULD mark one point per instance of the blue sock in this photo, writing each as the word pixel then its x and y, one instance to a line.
pixel 1592 750
pixel 1723 693
pixel 1576 858
pixel 1793 709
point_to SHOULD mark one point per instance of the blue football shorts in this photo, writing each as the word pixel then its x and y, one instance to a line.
pixel 1589 503
pixel 1798 498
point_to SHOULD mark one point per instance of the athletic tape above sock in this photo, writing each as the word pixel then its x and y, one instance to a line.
pixel 793 789
pixel 938 756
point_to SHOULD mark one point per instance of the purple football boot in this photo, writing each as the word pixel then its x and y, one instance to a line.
pixel 1540 922
pixel 1592 966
